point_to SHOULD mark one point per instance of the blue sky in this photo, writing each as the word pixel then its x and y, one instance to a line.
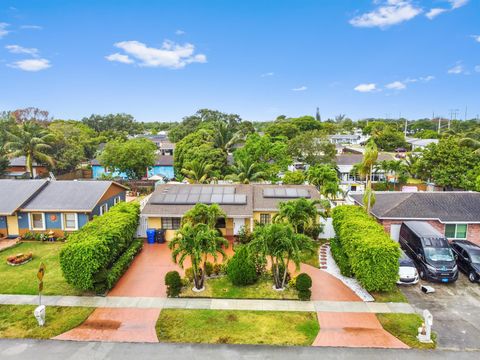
pixel 162 60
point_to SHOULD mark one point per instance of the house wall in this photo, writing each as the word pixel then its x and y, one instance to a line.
pixel 3 226
pixel 108 198
pixel 162 170
pixel 37 170
pixel 98 170
pixel 256 215
pixel 473 230
pixel 53 222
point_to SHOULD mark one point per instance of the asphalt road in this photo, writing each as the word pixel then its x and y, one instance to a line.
pixel 69 350
pixel 455 309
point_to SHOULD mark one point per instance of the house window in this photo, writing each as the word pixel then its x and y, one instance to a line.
pixel 170 223
pixel 456 231
pixel 265 218
pixel 116 200
pixel 221 223
pixel 70 221
pixel 37 221
pixel 103 209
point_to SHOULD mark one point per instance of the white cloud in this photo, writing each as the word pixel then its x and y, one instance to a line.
pixel 170 54
pixel 3 29
pixel 17 49
pixel 433 13
pixel 389 13
pixel 363 88
pixel 119 58
pixel 31 27
pixel 396 85
pixel 301 88
pixel 267 74
pixel 427 78
pixel 476 38
pixel 457 69
pixel 31 64
pixel 180 32
pixel 458 3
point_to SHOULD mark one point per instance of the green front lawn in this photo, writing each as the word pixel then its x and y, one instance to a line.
pixel 23 279
pixel 389 296
pixel 237 327
pixel 222 288
pixel 17 321
pixel 405 327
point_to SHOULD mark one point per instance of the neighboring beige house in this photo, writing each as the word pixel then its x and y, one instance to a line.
pixel 244 204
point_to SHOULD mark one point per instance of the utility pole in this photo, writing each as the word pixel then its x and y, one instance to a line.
pixel 453 116
pixel 465 118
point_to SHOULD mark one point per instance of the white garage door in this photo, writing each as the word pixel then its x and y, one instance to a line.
pixel 395 231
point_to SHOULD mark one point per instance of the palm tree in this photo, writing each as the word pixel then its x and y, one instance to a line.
pixel 302 214
pixel 282 245
pixel 397 168
pixel 325 178
pixel 245 171
pixel 225 137
pixel 30 140
pixel 411 162
pixel 203 214
pixel 197 242
pixel 369 159
pixel 197 172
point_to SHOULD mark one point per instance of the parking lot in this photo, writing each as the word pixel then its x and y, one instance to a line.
pixel 455 309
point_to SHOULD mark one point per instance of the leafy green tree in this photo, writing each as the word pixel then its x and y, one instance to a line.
pixel 325 178
pixel 197 242
pixel 132 157
pixel 199 146
pixel 282 246
pixel 302 214
pixel 113 125
pixel 246 170
pixel 32 141
pixel 389 140
pixel 448 164
pixel 312 147
pixel 197 172
pixel 241 268
pixel 471 143
pixel 306 123
pixel 426 134
pixel 282 129
pixel 293 177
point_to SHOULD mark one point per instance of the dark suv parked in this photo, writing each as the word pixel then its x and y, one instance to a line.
pixel 467 255
pixel 429 250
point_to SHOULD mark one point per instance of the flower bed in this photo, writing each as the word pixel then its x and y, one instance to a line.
pixel 19 259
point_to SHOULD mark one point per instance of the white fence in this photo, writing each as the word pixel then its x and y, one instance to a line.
pixel 328 231
pixel 142 224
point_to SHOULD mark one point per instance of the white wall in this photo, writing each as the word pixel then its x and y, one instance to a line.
pixel 328 231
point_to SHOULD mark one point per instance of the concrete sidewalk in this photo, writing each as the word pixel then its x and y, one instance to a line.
pixel 213 304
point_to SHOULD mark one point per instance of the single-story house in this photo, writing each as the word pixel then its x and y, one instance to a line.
pixel 456 214
pixel 352 182
pixel 420 144
pixel 163 166
pixel 58 206
pixel 343 139
pixel 17 169
pixel 244 204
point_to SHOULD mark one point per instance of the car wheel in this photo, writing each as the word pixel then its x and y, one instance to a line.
pixel 422 274
pixel 472 277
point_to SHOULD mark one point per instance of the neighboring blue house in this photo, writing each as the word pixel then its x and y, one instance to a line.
pixel 163 166
pixel 58 206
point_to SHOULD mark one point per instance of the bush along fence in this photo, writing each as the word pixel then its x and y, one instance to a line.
pixel 98 254
pixel 363 249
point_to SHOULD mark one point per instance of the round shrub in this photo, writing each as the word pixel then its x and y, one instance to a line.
pixel 303 282
pixel 305 295
pixel 241 268
pixel 208 268
pixel 174 283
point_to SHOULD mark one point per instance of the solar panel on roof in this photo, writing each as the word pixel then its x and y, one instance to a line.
pixel 195 190
pixel 207 190
pixel 229 190
pixel 205 198
pixel 193 198
pixel 285 193
pixel 217 198
pixel 291 192
pixel 217 190
pixel 227 198
pixel 181 198
pixel 170 198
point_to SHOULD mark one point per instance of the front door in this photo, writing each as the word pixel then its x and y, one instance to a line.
pixel 237 225
pixel 12 226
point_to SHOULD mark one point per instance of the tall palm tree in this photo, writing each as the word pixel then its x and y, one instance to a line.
pixel 30 140
pixel 197 172
pixel 325 178
pixel 197 242
pixel 302 214
pixel 411 162
pixel 204 214
pixel 225 137
pixel 245 171
pixel 396 167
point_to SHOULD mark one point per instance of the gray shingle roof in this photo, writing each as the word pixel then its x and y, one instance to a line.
pixel 14 193
pixel 352 159
pixel 21 161
pixel 69 195
pixel 448 206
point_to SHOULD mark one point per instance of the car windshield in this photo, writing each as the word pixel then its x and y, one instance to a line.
pixel 438 254
pixel 475 257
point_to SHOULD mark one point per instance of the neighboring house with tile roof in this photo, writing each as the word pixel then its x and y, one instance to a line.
pixel 58 206
pixel 456 214
pixel 244 204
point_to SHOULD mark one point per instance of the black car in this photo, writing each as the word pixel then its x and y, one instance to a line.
pixel 467 255
pixel 429 250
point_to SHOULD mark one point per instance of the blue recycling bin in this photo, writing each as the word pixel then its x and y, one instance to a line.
pixel 151 236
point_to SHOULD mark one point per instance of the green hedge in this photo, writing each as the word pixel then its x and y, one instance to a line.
pixel 123 263
pixel 371 254
pixel 340 257
pixel 93 251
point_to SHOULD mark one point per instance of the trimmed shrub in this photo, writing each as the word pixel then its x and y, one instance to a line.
pixel 340 257
pixel 123 263
pixel 208 268
pixel 94 250
pixel 372 255
pixel 174 283
pixel 303 282
pixel 241 267
pixel 189 274
pixel 305 295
